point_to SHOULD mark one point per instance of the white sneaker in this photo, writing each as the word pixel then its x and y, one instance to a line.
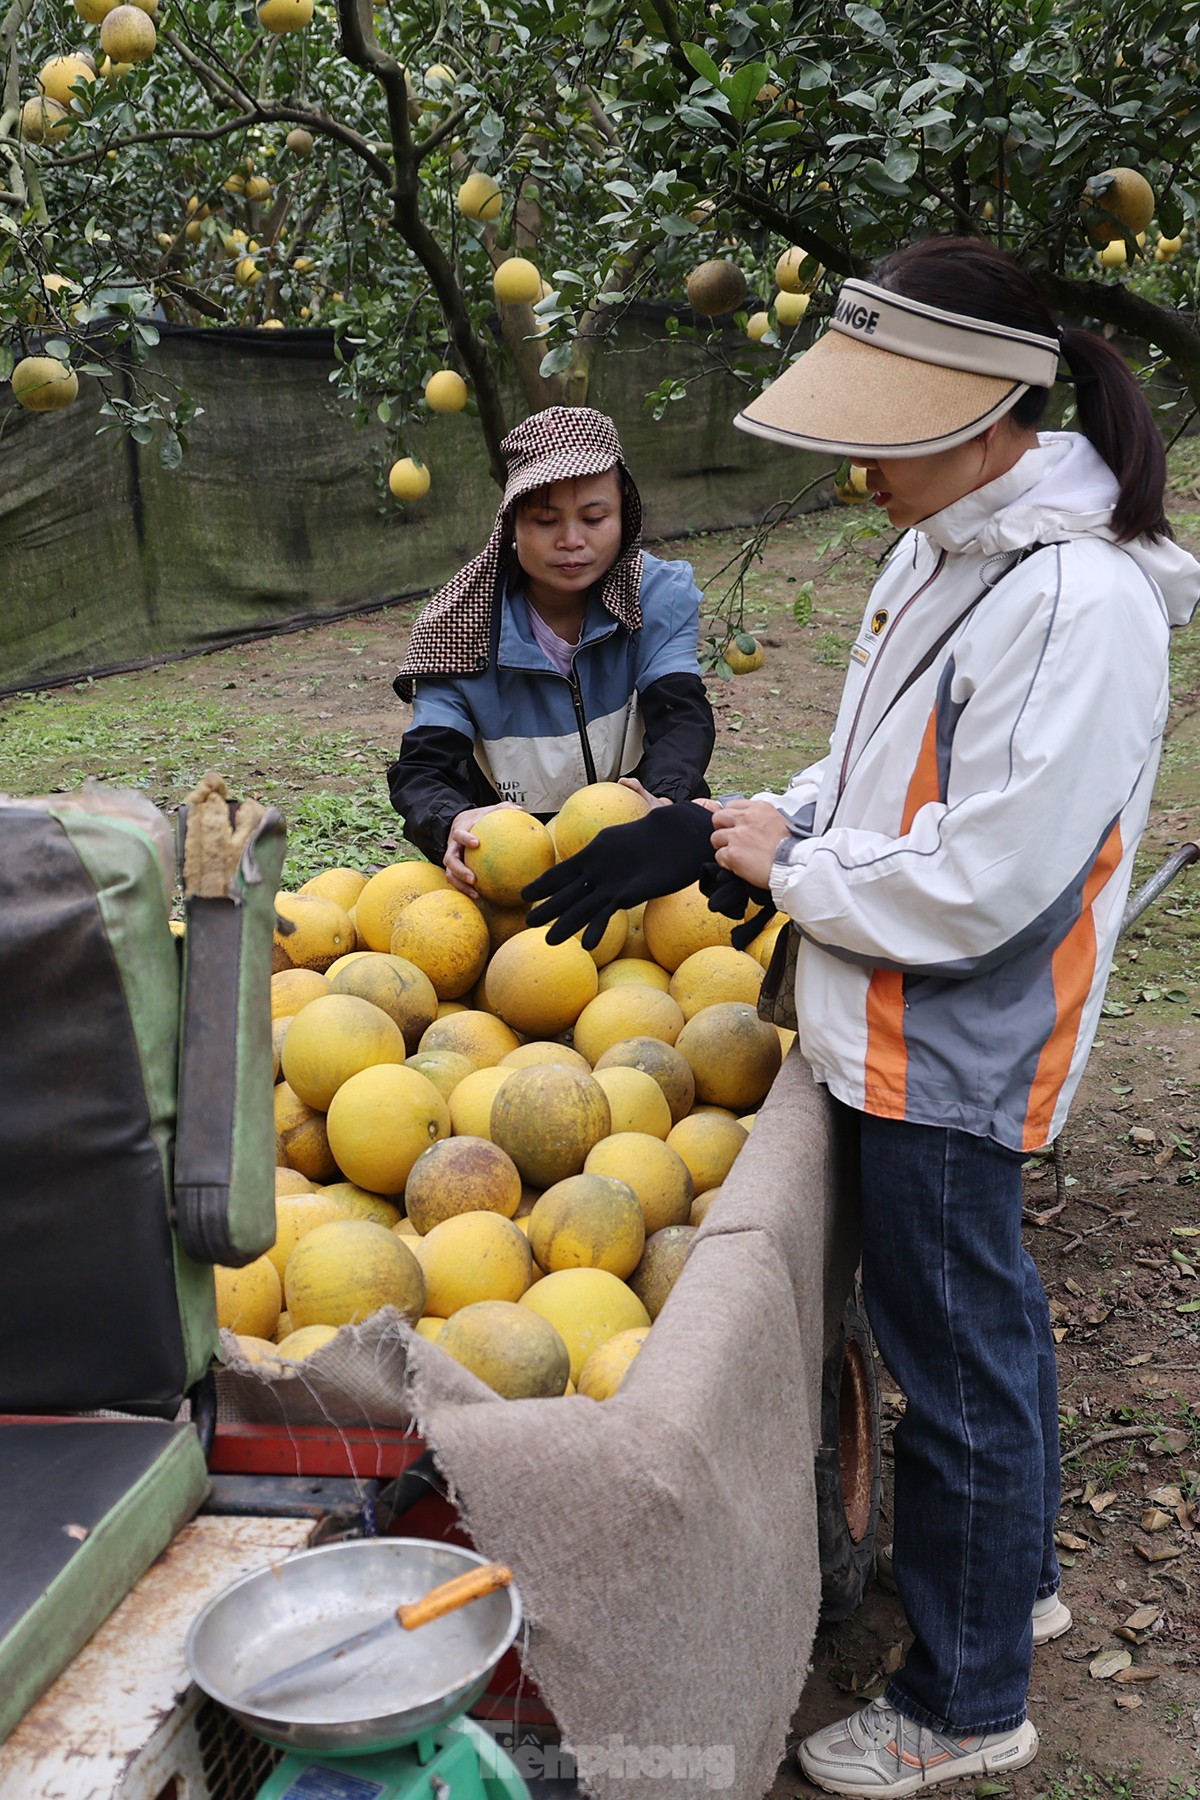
pixel 879 1754
pixel 1051 1618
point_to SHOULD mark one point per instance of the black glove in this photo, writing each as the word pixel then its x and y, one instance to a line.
pixel 731 894
pixel 622 866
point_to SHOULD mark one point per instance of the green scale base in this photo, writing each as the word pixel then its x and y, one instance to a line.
pixel 458 1759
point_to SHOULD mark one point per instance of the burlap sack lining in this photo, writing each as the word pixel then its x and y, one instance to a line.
pixel 665 1542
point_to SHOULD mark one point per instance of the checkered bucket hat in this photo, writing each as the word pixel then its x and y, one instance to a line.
pixel 451 635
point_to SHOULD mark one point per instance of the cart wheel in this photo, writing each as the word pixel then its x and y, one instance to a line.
pixel 848 1477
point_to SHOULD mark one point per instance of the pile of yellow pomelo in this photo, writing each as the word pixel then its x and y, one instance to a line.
pixel 511 1142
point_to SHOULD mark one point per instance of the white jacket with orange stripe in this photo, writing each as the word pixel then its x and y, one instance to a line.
pixel 958 864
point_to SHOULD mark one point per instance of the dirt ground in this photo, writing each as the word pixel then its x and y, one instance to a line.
pixel 1118 1257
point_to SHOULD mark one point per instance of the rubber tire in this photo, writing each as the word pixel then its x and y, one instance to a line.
pixel 848 1468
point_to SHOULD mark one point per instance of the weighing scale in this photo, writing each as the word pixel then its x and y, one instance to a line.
pixel 388 1723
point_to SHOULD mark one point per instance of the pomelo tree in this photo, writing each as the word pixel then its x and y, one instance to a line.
pixel 297 163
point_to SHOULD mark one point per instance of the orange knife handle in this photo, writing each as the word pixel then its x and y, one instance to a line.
pixel 450 1595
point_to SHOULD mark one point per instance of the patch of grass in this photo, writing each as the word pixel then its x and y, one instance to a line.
pixel 332 797
pixel 1088 1784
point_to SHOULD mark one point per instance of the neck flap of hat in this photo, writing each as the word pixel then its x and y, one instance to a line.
pixel 952 340
pixel 451 635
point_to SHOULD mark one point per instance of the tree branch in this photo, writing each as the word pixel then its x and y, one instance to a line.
pixel 834 256
pixel 1132 313
pixel 360 47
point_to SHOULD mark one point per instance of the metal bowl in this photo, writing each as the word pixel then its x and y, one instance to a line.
pixel 374 1699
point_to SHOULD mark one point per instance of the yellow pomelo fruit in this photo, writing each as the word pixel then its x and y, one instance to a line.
pixel 43 383
pixel 718 973
pixel 1114 255
pixel 341 885
pixel 480 197
pixel 542 1050
pixel 701 1205
pixel 607 1367
pixel 300 143
pixel 757 326
pixel 471 1102
pixel 93 11
pixel 516 282
pixel 44 122
pixel 409 479
pixel 284 1328
pixel 715 287
pixel 735 1055
pixel 446 1007
pixel 786 1039
pixel 589 810
pixel 285 15
pixel 478 1035
pixel 511 1348
pixel 677 925
pixel 279 1030
pixel 333 1038
pixel 661 1264
pixel 461 1175
pixel 293 988
pixel 380 1121
pixel 248 1300
pixel 301 1140
pixel 796 271
pixel 514 848
pixel 633 968
pixel 540 988
pixel 257 1350
pixel 612 942
pixel 636 1101
pixel 741 660
pixel 1126 195
pixel 654 1170
pixel 473 1256
pixel 296 1345
pixel 354 1202
pixel 398 988
pixel 57 77
pixel 587 1307
pixel 790 309
pixel 444 933
pixel 446 391
pixel 588 1222
pixel 708 1143
pixel 295 1216
pixel 762 947
pixel 625 1011
pixel 342 1272
pixel 388 893
pixel 663 1061
pixel 343 962
pixel 291 1181
pixel 430 1328
pixel 445 1068
pixel 635 941
pixel 548 1118
pixel 323 932
pixel 502 922
pixel 127 34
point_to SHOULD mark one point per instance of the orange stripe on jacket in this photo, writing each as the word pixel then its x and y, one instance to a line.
pixel 1072 970
pixel 886 1069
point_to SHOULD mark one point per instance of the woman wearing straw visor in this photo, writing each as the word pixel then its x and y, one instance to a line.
pixel 956 868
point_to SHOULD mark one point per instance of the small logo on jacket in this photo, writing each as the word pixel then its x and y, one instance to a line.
pixel 879 620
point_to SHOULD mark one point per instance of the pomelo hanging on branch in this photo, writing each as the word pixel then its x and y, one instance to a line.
pixel 1115 202
pixel 44 384
pixel 716 287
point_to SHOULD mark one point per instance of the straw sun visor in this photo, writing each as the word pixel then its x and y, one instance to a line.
pixel 893 377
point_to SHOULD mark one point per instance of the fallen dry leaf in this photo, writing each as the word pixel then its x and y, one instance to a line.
pixel 1173 1443
pixel 1127 1702
pixel 893 1657
pixel 1156 1553
pixel 1109 1663
pixel 1059 1333
pixel 1067 1540
pixel 1137 1673
pixel 1166 1496
pixel 1154 1519
pixel 1143 1617
pixel 1099 1502
pixel 1143 1356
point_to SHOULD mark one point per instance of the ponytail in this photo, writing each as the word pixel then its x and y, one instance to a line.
pixel 1115 416
pixel 969 275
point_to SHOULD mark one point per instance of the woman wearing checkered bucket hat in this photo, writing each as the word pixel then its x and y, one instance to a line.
pixel 956 870
pixel 563 654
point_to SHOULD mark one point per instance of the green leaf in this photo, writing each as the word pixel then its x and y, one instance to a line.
pixel 742 88
pixel 383 411
pixel 745 643
pixel 703 64
pixel 170 451
pixel 868 20
pixel 880 182
pixel 802 605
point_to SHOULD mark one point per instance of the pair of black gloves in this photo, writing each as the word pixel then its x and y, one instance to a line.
pixel 668 849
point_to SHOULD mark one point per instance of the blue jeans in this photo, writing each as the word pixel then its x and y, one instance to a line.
pixel 961 1319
